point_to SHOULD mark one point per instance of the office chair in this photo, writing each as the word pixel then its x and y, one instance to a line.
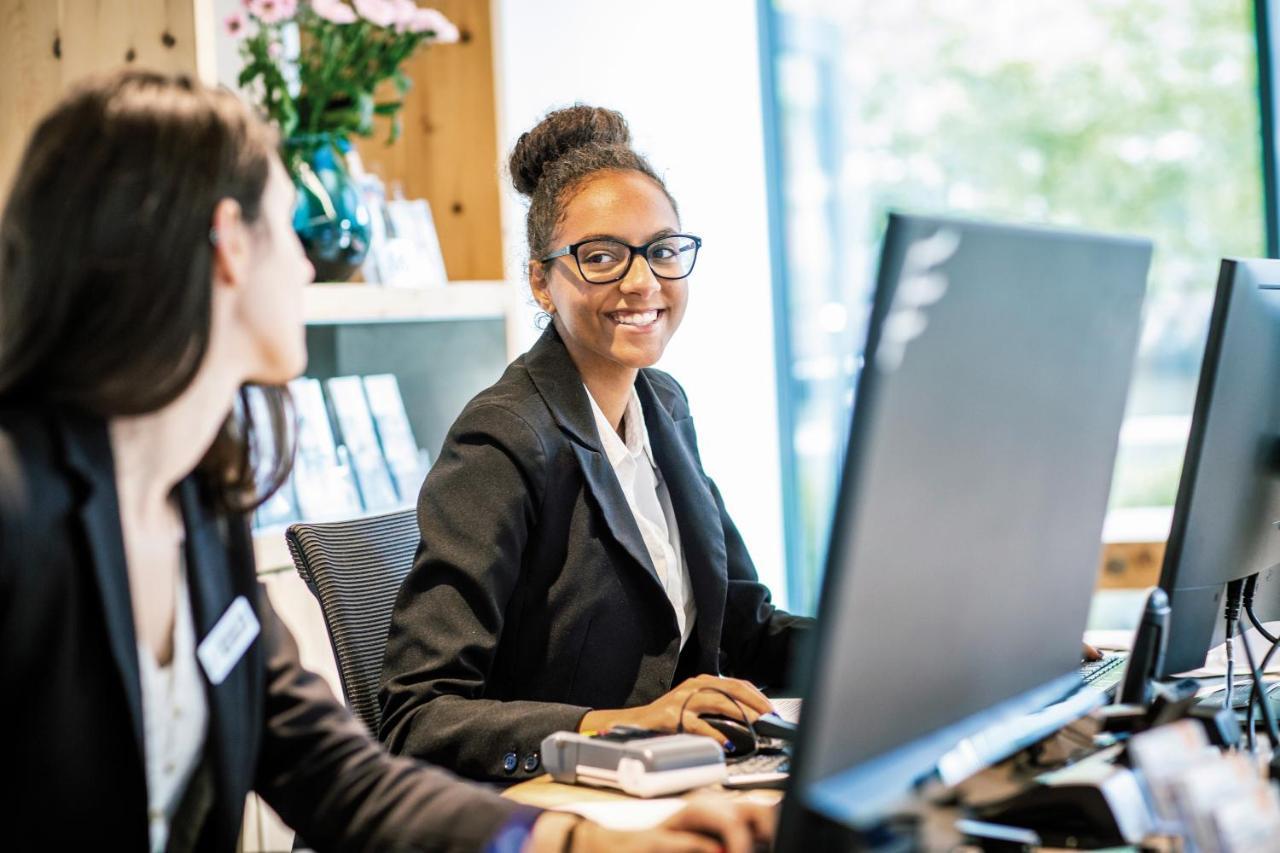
pixel 354 569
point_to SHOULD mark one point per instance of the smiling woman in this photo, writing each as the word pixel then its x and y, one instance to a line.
pixel 578 569
pixel 614 314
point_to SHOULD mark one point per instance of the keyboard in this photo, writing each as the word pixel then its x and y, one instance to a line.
pixel 1104 674
pixel 788 709
pixel 770 770
pixel 763 770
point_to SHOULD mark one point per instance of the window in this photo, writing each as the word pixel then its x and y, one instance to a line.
pixel 1129 116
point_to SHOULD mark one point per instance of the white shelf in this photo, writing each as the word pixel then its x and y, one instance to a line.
pixel 270 552
pixel 333 304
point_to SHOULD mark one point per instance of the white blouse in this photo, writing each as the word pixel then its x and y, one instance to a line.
pixel 650 503
pixel 175 718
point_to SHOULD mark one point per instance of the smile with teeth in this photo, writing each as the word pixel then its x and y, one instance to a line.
pixel 637 318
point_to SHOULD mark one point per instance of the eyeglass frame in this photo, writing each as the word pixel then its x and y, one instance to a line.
pixel 642 251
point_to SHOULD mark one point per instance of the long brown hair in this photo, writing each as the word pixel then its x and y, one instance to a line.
pixel 106 260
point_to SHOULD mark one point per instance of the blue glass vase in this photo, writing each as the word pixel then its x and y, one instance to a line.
pixel 331 219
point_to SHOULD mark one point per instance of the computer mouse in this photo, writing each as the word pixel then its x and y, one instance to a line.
pixel 773 726
pixel 742 741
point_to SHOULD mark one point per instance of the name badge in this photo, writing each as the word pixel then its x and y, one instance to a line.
pixel 227 642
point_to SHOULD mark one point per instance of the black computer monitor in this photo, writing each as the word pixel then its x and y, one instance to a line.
pixel 968 526
pixel 1228 504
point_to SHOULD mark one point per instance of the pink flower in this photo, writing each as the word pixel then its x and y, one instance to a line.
pixel 380 13
pixel 431 20
pixel 272 11
pixel 405 11
pixel 334 10
pixel 275 50
pixel 234 24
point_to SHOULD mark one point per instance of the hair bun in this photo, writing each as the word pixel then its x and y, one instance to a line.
pixel 560 132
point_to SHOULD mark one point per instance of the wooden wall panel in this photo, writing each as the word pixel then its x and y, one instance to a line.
pixel 105 34
pixel 1130 565
pixel 30 77
pixel 449 151
pixel 47 45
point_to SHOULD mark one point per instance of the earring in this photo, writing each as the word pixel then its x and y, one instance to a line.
pixel 213 236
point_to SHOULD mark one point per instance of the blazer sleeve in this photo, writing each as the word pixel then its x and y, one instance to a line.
pixel 339 788
pixel 476 510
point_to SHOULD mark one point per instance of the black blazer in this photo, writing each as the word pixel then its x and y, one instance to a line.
pixel 532 598
pixel 72 755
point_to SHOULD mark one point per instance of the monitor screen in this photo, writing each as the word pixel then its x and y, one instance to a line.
pixel 1228 506
pixel 968 527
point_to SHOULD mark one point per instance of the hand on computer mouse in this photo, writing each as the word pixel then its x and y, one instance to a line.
pixel 702 694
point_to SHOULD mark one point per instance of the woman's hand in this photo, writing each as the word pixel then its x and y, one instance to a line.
pixel 705 826
pixel 702 694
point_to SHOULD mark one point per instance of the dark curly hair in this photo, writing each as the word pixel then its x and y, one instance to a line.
pixel 554 159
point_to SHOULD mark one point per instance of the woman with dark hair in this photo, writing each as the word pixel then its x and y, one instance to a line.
pixel 578 569
pixel 149 276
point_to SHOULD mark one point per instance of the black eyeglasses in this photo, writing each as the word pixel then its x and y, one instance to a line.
pixel 604 261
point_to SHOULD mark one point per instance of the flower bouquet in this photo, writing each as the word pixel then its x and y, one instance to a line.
pixel 315 68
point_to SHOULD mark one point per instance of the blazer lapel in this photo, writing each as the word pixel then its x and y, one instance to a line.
pixel 560 385
pixel 603 483
pixel 212 592
pixel 88 450
pixel 701 532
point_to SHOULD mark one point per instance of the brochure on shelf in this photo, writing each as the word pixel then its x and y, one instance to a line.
pixel 356 432
pixel 412 230
pixel 378 265
pixel 408 462
pixel 323 480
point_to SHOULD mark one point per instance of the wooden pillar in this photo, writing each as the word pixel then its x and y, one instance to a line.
pixel 48 45
pixel 448 153
pixel 30 76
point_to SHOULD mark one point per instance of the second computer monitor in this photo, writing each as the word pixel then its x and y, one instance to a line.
pixel 968 527
pixel 1228 504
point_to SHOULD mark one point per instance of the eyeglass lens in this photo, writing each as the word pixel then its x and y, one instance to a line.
pixel 606 260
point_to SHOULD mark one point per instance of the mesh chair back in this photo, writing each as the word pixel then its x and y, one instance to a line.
pixel 354 568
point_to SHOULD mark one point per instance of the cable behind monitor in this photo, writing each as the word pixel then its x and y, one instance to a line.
pixel 1258 694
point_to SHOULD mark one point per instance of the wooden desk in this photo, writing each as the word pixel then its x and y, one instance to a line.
pixel 545 793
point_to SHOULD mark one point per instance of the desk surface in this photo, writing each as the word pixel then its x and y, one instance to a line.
pixel 546 793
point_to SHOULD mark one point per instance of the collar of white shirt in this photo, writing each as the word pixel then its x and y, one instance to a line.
pixel 637 441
